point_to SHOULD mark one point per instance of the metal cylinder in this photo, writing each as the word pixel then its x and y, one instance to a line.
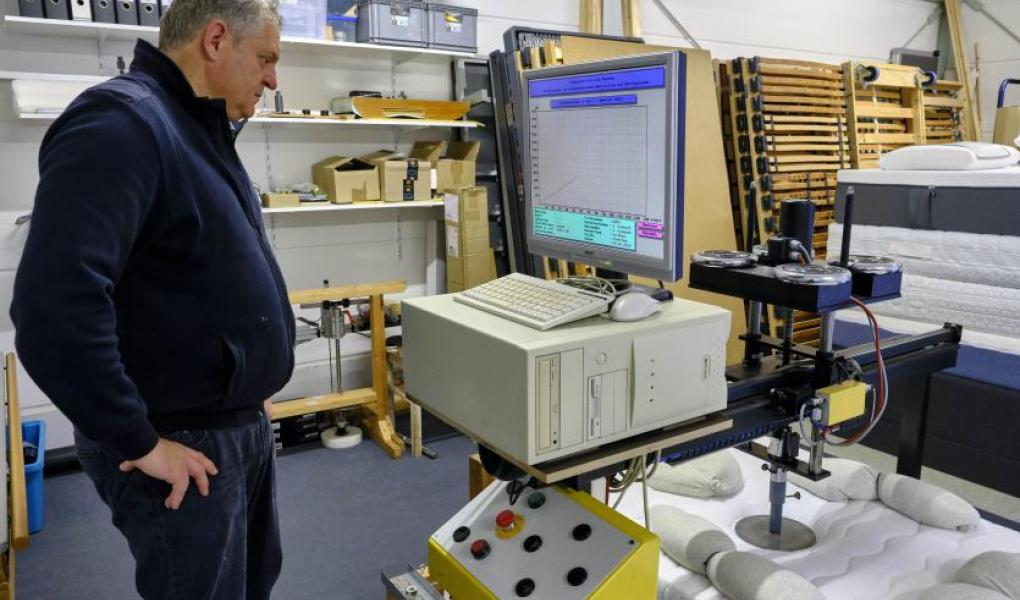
pixel 797 220
pixel 754 318
pixel 848 224
pixel 825 336
pixel 777 497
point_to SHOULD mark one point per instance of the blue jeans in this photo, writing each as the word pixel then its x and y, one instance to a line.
pixel 223 546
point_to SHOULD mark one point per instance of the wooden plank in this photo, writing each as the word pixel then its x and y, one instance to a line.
pixel 18 508
pixel 880 111
pixel 802 83
pixel 886 138
pixel 801 99
pixel 590 20
pixel 971 118
pixel 796 108
pixel 802 158
pixel 835 148
pixel 802 91
pixel 793 62
pixel 943 102
pixel 790 168
pixel 813 119
pixel 378 420
pixel 415 418
pixel 945 84
pixel 631 18
pixel 800 73
pixel 478 477
pixel 323 402
pixel 774 139
pixel 362 290
pixel 873 92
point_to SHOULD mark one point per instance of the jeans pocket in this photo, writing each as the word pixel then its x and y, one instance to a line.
pixel 189 437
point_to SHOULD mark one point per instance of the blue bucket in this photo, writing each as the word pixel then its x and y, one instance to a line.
pixel 34 432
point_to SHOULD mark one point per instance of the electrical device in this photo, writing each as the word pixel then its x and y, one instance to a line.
pixel 534 302
pixel 604 160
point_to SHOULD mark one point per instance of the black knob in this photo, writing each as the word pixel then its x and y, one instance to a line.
pixel 577 576
pixel 582 532
pixel 524 587
pixel 536 500
pixel 480 549
pixel 461 533
pixel 532 543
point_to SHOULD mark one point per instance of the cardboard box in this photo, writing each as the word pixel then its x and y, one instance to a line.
pixel 432 152
pixel 345 179
pixel 280 200
pixel 401 179
pixel 469 258
pixel 457 168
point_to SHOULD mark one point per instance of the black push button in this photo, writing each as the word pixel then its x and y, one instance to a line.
pixel 582 532
pixel 461 533
pixel 532 543
pixel 524 587
pixel 536 500
pixel 577 576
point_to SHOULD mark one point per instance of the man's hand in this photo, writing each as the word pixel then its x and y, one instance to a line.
pixel 175 464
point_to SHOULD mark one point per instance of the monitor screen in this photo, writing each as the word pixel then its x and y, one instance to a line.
pixel 605 164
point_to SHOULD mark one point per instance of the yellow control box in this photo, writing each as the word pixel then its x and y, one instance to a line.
pixel 844 401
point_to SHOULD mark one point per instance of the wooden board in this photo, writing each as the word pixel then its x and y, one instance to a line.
pixel 379 108
pixel 971 117
pixel 316 295
pixel 323 402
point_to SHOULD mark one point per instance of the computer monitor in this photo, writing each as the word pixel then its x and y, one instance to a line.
pixel 605 163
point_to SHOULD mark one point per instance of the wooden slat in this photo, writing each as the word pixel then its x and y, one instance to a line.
pixel 801 82
pixel 805 147
pixel 797 108
pixel 18 512
pixel 790 168
pixel 323 402
pixel 801 91
pixel 794 62
pixel 768 69
pixel 880 111
pixel 886 138
pixel 315 296
pixel 870 93
pixel 798 100
pixel 802 158
pixel 940 102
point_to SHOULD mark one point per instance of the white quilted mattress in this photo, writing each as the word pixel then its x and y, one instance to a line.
pixel 967 257
pixel 979 307
pixel 864 549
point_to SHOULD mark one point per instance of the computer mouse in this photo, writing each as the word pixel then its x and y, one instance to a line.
pixel 634 306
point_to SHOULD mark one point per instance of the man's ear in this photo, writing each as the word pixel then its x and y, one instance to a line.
pixel 214 35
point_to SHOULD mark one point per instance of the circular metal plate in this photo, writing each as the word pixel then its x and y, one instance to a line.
pixel 794 535
pixel 813 274
pixel 877 265
pixel 727 259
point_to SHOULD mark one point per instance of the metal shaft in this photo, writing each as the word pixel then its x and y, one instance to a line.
pixel 777 497
pixel 825 336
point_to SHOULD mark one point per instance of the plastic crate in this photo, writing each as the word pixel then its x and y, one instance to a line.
pixel 394 22
pixel 345 29
pixel 303 18
pixel 34 432
pixel 453 28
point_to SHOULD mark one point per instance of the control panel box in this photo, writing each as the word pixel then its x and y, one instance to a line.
pixel 535 396
pixel 551 543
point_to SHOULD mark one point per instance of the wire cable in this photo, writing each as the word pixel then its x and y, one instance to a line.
pixel 882 396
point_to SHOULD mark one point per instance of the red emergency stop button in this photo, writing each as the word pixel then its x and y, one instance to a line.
pixel 505 520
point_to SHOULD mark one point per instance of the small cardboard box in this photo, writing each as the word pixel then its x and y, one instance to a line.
pixel 401 179
pixel 432 152
pixel 457 168
pixel 345 179
pixel 280 200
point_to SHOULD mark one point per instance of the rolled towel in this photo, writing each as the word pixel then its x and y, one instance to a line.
pixel 714 475
pixel 746 576
pixel 961 591
pixel 849 480
pixel 688 539
pixel 926 503
pixel 995 570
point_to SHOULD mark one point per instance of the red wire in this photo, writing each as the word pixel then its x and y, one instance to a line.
pixel 880 397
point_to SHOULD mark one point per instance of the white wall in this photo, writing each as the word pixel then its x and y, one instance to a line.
pixel 1000 55
pixel 378 245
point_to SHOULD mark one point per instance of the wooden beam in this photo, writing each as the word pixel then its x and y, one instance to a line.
pixel 323 402
pixel 631 18
pixel 315 296
pixel 16 462
pixel 378 419
pixel 971 118
pixel 590 20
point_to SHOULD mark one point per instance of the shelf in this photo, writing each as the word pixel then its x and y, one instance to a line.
pixel 12 75
pixel 377 205
pixel 399 123
pixel 128 33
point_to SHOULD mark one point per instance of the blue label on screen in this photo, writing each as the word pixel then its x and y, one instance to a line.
pixel 589 101
pixel 591 229
pixel 613 81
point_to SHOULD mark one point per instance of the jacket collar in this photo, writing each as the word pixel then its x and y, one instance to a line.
pixel 150 61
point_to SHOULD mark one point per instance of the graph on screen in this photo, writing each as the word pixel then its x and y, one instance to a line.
pixel 589 160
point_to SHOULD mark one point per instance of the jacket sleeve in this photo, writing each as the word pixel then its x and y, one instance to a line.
pixel 99 177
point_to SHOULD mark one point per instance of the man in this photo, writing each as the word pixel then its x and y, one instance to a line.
pixel 150 309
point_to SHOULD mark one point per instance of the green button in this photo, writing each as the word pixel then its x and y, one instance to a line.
pixel 536 500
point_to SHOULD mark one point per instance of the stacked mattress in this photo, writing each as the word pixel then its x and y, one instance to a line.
pixel 864 550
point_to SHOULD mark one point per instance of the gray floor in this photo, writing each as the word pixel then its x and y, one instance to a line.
pixel 344 517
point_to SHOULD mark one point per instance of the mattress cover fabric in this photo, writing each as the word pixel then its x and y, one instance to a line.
pixel 1008 177
pixel 976 306
pixel 864 548
pixel 967 257
pixel 956 156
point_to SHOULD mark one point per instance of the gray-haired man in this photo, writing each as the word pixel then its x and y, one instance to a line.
pixel 150 309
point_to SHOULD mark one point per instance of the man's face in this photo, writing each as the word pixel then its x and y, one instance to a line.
pixel 248 66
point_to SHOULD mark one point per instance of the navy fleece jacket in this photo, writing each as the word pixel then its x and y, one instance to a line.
pixel 147 286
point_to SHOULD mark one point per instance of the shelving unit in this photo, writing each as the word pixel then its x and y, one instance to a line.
pixel 311 122
pixel 116 32
pixel 379 205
